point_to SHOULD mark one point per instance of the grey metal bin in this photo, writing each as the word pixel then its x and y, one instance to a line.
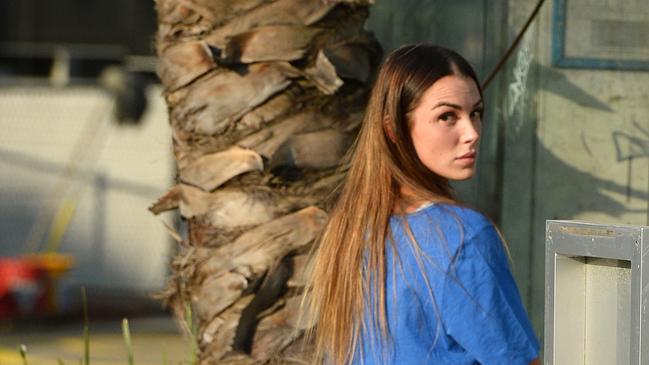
pixel 596 294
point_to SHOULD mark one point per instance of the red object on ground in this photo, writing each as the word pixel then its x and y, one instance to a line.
pixel 22 285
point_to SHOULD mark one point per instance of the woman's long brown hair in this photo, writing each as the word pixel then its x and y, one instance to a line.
pixel 349 265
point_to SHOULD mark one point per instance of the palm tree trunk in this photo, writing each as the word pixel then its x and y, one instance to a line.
pixel 264 99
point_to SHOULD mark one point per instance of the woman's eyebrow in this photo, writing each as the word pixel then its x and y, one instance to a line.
pixel 450 105
pixel 455 106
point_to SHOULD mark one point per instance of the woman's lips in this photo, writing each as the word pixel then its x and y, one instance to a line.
pixel 467 158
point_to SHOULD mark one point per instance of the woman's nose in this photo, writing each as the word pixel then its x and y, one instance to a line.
pixel 471 130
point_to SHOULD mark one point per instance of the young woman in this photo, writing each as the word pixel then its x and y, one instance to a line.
pixel 404 274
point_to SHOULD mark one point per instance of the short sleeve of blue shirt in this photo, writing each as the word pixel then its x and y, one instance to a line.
pixel 481 308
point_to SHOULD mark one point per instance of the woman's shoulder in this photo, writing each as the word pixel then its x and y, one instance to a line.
pixel 442 229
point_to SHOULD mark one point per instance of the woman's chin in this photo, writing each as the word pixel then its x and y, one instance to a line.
pixel 465 174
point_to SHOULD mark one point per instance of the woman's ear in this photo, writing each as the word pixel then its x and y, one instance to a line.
pixel 389 131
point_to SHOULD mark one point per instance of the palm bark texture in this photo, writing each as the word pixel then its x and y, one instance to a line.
pixel 264 99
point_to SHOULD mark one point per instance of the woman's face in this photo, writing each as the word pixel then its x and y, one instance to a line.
pixel 445 127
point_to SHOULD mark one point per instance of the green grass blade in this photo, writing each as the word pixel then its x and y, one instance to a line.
pixel 165 354
pixel 86 328
pixel 127 340
pixel 60 362
pixel 22 349
pixel 193 335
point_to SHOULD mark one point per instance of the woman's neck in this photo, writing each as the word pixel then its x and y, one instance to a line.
pixel 410 201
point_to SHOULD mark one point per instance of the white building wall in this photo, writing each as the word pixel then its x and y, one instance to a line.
pixel 121 170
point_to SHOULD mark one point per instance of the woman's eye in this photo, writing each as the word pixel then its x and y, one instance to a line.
pixel 477 114
pixel 448 117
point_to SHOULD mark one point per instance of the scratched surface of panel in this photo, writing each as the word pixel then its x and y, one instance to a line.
pixel 576 144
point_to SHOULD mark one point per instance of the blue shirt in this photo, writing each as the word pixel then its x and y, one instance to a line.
pixel 453 301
